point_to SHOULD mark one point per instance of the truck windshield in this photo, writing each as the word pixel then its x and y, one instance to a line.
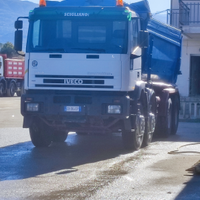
pixel 75 36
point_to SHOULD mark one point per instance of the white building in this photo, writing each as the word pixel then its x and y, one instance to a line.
pixel 185 15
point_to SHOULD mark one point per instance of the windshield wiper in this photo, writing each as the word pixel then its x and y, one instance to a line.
pixel 90 49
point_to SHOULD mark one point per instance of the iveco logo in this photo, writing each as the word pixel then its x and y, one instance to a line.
pixel 34 63
pixel 74 81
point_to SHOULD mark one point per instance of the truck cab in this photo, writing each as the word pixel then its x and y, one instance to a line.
pixel 70 43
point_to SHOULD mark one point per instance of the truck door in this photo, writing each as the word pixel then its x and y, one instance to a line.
pixel 135 63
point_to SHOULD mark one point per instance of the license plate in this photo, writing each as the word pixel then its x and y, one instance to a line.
pixel 72 108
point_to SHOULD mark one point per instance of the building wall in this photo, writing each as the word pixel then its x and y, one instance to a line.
pixel 189 22
pixel 174 4
pixel 190 47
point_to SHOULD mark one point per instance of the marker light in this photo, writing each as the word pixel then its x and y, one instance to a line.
pixel 120 3
pixel 42 3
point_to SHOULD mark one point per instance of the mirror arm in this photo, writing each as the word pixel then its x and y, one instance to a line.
pixel 22 18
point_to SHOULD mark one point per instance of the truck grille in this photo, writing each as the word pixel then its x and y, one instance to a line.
pixel 68 99
pixel 65 81
pixel 83 100
pixel 62 99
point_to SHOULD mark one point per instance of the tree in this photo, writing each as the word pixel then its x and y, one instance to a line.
pixel 8 49
pixel 1 45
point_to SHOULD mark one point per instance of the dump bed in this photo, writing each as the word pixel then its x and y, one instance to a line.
pixel 163 55
pixel 14 68
pixel 165 48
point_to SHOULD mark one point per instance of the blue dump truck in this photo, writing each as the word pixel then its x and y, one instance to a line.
pixel 99 66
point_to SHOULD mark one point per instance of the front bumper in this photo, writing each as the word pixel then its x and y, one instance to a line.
pixel 66 108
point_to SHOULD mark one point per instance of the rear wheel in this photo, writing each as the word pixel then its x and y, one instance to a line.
pixel 19 93
pixel 164 123
pixel 2 89
pixel 40 134
pixel 11 89
pixel 175 115
pixel 150 122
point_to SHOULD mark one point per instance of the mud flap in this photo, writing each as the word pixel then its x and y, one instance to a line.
pixel 27 121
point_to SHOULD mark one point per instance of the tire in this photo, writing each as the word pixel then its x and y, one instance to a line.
pixel 2 89
pixel 60 136
pixel 133 140
pixel 11 89
pixel 150 122
pixel 164 125
pixel 175 115
pixel 40 134
pixel 19 93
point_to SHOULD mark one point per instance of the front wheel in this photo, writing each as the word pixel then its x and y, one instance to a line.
pixel 81 133
pixel 39 133
pixel 60 136
pixel 133 140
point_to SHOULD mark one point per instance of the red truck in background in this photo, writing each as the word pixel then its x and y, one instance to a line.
pixel 11 76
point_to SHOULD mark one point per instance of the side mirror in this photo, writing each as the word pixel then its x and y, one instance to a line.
pixel 18 40
pixel 143 39
pixel 18 24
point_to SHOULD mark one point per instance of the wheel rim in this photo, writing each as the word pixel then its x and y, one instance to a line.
pixel 169 118
pixel 140 128
pixel 151 125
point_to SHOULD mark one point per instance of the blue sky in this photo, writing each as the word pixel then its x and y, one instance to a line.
pixel 156 5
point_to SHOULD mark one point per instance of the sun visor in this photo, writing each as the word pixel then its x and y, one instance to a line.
pixel 82 3
pixel 141 7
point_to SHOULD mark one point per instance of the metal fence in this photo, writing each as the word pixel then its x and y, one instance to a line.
pixel 190 108
pixel 194 13
pixel 184 12
pixel 174 18
pixel 187 14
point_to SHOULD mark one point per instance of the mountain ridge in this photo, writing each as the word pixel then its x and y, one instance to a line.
pixel 10 10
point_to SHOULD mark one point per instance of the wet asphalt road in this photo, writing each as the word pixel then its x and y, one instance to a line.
pixel 94 166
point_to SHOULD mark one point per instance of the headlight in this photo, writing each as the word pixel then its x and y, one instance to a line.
pixel 33 107
pixel 114 109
